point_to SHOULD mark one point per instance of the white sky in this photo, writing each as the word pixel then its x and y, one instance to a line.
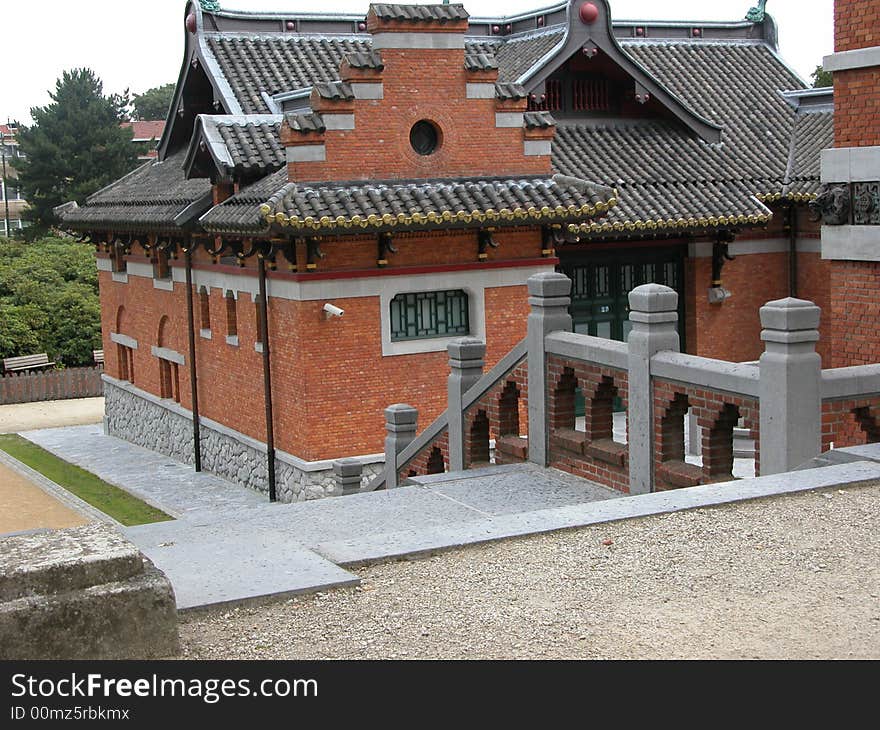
pixel 140 44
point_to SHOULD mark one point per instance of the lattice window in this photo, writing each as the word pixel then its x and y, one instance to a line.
pixel 552 101
pixel 429 314
pixel 590 95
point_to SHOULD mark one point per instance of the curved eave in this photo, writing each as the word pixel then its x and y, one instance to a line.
pixel 342 225
pixel 670 226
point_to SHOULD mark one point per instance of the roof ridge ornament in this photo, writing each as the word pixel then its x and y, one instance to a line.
pixel 210 6
pixel 756 13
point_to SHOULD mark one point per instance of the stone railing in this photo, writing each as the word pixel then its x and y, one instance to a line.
pixel 485 404
pixel 785 402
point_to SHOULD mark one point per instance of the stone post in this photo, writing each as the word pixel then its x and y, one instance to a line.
pixel 466 368
pixel 653 313
pixel 347 474
pixel 549 300
pixel 400 430
pixel 790 387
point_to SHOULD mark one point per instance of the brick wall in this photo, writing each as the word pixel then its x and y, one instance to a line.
pixel 855 329
pixel 856 24
pixel 850 422
pixel 732 330
pixel 590 453
pixel 717 413
pixel 331 381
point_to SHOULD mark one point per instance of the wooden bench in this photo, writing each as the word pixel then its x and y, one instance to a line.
pixel 99 356
pixel 26 362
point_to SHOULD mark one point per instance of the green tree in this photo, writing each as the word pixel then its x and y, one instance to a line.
pixel 153 103
pixel 49 300
pixel 821 78
pixel 74 147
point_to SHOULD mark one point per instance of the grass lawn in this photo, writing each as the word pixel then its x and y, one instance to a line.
pixel 113 501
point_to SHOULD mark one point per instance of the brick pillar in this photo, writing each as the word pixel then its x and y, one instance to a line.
pixel 549 300
pixel 791 372
pixel 653 313
pixel 466 360
pixel 400 430
pixel 347 475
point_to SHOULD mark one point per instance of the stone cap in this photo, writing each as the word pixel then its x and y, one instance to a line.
pixel 549 284
pixel 653 298
pixel 348 467
pixel 790 314
pixel 466 348
pixel 401 413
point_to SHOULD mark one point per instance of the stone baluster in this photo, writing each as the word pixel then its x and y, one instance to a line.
pixel 549 301
pixel 400 429
pixel 653 313
pixel 790 387
pixel 466 360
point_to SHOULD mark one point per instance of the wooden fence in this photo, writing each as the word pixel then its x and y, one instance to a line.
pixel 28 387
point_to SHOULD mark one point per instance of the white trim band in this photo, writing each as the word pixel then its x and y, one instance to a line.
pixel 307 153
pixel 418 40
pixel 508 119
pixel 124 340
pixel 532 147
pixel 850 164
pixel 856 58
pixel 368 90
pixel 165 353
pixel 851 243
pixel 480 90
pixel 338 121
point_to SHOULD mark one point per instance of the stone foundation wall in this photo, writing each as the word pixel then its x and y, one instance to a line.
pixel 166 427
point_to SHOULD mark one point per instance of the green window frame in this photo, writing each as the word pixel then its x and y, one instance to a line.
pixel 421 315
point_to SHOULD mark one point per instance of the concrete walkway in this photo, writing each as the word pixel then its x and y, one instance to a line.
pixel 229 544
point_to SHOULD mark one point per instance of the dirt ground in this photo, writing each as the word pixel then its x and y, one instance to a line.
pixel 24 505
pixel 50 414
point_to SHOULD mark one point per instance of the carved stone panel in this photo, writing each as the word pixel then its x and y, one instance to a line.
pixel 866 203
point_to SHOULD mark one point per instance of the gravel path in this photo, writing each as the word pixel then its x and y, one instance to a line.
pixel 788 577
pixel 17 417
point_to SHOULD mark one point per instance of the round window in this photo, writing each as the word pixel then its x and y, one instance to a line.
pixel 424 137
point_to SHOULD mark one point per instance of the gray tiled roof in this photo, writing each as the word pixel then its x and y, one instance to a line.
pixel 241 212
pixel 334 90
pixel 403 205
pixel 813 132
pixel 664 179
pixel 480 62
pixel 509 91
pixel 148 199
pixel 253 64
pixel 518 55
pixel 421 13
pixel 737 86
pixel 360 59
pixel 253 148
pixel 539 120
pixel 305 122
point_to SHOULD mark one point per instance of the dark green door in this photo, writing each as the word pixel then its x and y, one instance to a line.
pixel 602 282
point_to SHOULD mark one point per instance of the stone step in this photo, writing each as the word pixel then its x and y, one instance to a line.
pixel 58 561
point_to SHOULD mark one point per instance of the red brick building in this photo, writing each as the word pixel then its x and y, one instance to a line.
pixel 852 231
pixel 409 170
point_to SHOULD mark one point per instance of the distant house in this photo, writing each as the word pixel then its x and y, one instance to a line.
pixel 146 134
pixel 10 192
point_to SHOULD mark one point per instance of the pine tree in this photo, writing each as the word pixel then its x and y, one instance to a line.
pixel 154 103
pixel 74 147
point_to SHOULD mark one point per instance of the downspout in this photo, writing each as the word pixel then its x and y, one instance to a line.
pixel 194 383
pixel 792 251
pixel 267 378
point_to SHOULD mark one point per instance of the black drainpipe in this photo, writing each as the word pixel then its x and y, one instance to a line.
pixel 267 378
pixel 792 250
pixel 194 383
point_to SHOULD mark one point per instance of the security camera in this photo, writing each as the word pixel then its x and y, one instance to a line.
pixel 331 311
